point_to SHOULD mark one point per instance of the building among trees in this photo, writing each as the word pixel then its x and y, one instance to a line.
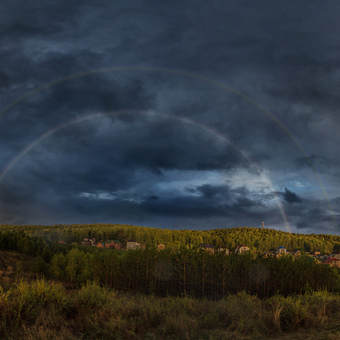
pixel 222 250
pixel 281 250
pixel 133 244
pixel 242 248
pixel 208 247
pixel 161 246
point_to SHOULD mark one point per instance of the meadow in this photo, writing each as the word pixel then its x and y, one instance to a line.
pixel 43 309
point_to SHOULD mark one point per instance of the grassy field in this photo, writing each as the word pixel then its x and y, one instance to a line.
pixel 35 308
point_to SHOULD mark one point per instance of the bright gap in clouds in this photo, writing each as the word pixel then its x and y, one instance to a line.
pixel 181 183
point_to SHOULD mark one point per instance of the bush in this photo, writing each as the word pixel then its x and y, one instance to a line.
pixel 92 295
pixel 30 298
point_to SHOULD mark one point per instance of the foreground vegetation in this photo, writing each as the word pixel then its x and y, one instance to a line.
pixel 182 292
pixel 46 310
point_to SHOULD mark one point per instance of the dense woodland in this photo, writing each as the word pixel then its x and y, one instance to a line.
pixel 261 239
pixel 182 269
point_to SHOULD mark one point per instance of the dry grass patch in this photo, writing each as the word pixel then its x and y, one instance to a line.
pixel 46 310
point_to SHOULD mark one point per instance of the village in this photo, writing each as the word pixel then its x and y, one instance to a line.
pixel 332 260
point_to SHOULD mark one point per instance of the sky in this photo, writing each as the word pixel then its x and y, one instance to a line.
pixel 171 114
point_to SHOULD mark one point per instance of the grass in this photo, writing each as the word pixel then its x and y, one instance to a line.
pixel 46 310
pixel 34 308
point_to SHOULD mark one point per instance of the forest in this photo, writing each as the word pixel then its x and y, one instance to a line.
pixel 182 269
pixel 62 290
pixel 261 239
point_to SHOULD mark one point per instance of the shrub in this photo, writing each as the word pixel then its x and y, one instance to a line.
pixel 92 295
pixel 30 298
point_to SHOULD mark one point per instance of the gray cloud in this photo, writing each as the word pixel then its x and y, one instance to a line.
pixel 148 162
pixel 317 163
pixel 290 196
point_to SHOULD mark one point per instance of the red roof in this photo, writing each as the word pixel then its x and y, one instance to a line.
pixel 331 259
pixel 206 245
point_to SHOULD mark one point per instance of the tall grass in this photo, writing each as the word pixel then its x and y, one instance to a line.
pixel 46 310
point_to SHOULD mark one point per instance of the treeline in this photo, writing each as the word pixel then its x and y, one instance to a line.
pixel 257 239
pixel 193 273
pixel 182 272
pixel 40 247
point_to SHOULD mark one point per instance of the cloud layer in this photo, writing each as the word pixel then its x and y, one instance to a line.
pixel 208 115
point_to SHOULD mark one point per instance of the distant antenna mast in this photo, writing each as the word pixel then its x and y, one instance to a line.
pixel 262 224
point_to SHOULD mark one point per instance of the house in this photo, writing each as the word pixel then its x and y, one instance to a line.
pixel 61 242
pixel 118 244
pixel 110 244
pixel 315 253
pixel 88 242
pixel 281 250
pixel 221 250
pixel 242 248
pixel 161 246
pixel 133 244
pixel 114 244
pixel 208 247
pixel 297 253
pixel 332 261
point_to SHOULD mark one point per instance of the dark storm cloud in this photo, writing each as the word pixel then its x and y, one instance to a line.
pixel 22 20
pixel 316 217
pixel 243 203
pixel 75 97
pixel 4 80
pixel 210 191
pixel 317 163
pixel 85 157
pixel 290 196
pixel 282 55
pixel 186 209
pixel 215 201
pixel 302 225
pixel 67 101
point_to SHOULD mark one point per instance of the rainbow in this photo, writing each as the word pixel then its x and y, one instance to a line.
pixel 150 113
pixel 173 72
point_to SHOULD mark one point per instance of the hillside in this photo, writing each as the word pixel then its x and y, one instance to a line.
pixel 149 294
pixel 182 268
pixel 255 238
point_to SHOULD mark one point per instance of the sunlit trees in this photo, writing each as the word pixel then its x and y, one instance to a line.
pixel 180 269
